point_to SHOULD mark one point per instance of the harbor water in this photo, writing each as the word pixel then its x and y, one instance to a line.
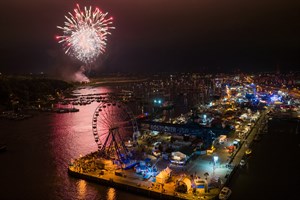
pixel 39 150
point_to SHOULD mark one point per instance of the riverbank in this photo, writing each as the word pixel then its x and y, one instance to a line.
pixel 20 92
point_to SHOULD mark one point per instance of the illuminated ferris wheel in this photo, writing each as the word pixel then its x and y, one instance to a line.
pixel 113 122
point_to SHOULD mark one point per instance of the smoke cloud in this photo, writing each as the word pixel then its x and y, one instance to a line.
pixel 79 76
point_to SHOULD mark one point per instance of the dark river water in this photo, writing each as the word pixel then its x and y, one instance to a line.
pixel 272 171
pixel 39 150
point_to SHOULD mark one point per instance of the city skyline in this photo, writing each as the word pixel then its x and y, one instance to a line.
pixel 155 36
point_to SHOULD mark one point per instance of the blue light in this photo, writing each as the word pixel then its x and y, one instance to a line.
pixel 155 101
pixel 275 98
pixel 159 101
pixel 216 158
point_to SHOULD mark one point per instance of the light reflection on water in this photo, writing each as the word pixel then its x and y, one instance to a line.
pixel 81 188
pixel 111 194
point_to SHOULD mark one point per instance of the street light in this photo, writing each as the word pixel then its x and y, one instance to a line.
pixel 157 101
pixel 216 158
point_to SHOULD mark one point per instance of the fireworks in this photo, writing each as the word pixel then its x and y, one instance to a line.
pixel 85 34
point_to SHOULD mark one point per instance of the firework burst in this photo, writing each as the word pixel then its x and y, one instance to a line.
pixel 85 33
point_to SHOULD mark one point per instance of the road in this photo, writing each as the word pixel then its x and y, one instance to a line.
pixel 258 126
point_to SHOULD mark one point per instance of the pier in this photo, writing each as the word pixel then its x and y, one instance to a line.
pixel 218 175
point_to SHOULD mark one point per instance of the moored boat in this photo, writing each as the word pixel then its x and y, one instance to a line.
pixel 3 147
pixel 225 193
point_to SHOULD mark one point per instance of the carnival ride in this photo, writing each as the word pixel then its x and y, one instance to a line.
pixel 113 122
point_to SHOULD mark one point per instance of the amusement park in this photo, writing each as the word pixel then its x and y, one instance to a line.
pixel 160 160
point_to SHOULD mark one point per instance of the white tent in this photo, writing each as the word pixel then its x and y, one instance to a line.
pixel 184 185
pixel 163 175
pixel 178 157
pixel 187 182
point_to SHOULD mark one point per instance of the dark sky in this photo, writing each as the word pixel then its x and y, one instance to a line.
pixel 158 35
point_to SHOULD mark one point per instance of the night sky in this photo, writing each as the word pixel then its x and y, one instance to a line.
pixel 158 35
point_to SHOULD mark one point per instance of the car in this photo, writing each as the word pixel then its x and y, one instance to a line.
pixel 225 193
pixel 242 162
pixel 248 151
pixel 210 150
pixel 156 153
pixel 156 144
pixel 236 141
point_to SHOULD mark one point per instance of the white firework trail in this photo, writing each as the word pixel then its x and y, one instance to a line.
pixel 85 33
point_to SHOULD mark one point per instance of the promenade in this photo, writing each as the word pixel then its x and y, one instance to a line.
pixel 248 140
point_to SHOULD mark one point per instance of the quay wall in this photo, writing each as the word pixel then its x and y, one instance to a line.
pixel 234 170
pixel 122 186
pixel 236 167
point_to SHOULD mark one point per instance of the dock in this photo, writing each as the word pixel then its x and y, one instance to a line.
pixel 139 186
pixel 218 174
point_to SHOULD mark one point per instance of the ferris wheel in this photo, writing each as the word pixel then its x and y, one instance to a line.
pixel 112 122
